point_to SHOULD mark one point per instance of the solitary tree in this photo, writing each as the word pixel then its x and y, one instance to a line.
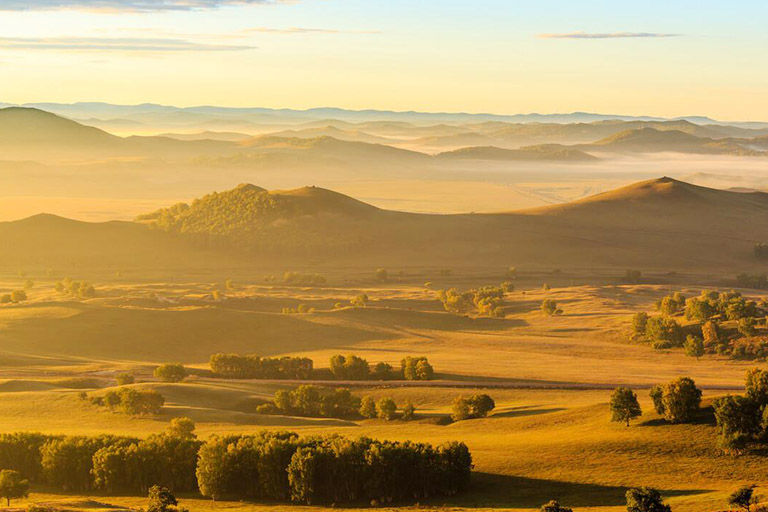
pixel 480 405
pixel 461 409
pixel 13 486
pixel 645 499
pixel 624 405
pixel 409 411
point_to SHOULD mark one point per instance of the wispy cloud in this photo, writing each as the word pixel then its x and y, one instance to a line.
pixel 128 5
pixel 299 30
pixel 611 35
pixel 107 44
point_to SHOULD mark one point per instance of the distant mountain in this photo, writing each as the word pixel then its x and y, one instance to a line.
pixel 31 127
pixel 651 140
pixel 145 112
pixel 335 132
pixel 209 135
pixel 530 153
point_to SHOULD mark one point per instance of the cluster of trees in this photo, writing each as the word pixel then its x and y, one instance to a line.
pixel 236 366
pixel 136 402
pixel 386 409
pixel 313 401
pixel 111 463
pixel 77 289
pixel 483 301
pixel 677 401
pixel 476 406
pixel 301 309
pixel 299 279
pixel 332 469
pixel 352 367
pixel 719 323
pixel 742 420
pixel 15 297
pixel 549 307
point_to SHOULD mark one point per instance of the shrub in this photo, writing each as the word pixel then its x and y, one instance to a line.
pixel 123 379
pixel 171 372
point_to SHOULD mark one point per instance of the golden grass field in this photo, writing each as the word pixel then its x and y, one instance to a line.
pixel 549 437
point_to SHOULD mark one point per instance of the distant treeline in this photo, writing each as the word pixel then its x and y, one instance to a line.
pixel 350 367
pixel 269 465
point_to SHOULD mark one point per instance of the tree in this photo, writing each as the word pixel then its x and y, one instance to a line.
pixel 461 410
pixel 639 324
pixel 409 411
pixel 123 379
pixel 756 386
pixel 18 296
pixel 183 428
pixel 368 407
pixel 424 370
pixel 645 499
pixel 624 405
pixel 738 421
pixel 171 372
pixel 694 346
pixel 386 409
pixel 480 405
pixel 13 486
pixel 554 506
pixel 681 399
pixel 743 498
pixel 361 301
pixel 382 275
pixel 710 331
pixel 656 394
pixel 549 307
pixel 161 500
pixel 665 332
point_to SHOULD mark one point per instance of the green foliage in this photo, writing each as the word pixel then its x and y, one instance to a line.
pixel 299 279
pixel 409 411
pixel 672 304
pixel 747 326
pixel 639 324
pixel 235 366
pixel 361 301
pixel 624 405
pixel 694 346
pixel 549 307
pixel 162 500
pixel 368 407
pixel 134 402
pixel 664 332
pixel 677 400
pixel 350 367
pixel 738 421
pixel 170 372
pixel 554 506
pixel 743 498
pixel 75 289
pixel 183 428
pixel 483 301
pixel 314 401
pixel 416 368
pixel 124 379
pixel 476 406
pixel 386 409
pixel 645 499
pixel 12 485
pixel 383 371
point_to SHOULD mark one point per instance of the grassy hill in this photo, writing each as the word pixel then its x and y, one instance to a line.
pixel 529 153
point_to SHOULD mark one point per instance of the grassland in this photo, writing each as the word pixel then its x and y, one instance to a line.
pixel 549 436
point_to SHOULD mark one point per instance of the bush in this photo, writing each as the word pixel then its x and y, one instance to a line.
pixel 549 307
pixel 171 372
pixel 124 379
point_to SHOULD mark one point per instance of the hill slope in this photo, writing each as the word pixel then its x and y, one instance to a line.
pixel 660 223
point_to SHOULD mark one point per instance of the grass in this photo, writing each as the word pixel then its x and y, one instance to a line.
pixel 549 438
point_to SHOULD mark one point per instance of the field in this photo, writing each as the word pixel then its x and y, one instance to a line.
pixel 549 437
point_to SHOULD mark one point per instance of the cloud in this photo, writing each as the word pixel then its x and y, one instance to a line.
pixel 127 5
pixel 107 44
pixel 299 30
pixel 612 35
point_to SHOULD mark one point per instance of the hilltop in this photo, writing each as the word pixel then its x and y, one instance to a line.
pixel 690 226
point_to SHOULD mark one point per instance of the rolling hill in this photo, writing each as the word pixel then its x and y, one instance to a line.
pixel 655 224
pixel 536 153
pixel 651 140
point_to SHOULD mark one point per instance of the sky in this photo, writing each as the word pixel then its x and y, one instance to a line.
pixel 663 58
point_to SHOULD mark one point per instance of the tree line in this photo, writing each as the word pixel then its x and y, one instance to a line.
pixel 349 367
pixel 267 465
pixel 329 469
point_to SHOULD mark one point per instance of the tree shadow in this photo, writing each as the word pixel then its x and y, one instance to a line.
pixel 525 411
pixel 506 492
pixel 704 416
